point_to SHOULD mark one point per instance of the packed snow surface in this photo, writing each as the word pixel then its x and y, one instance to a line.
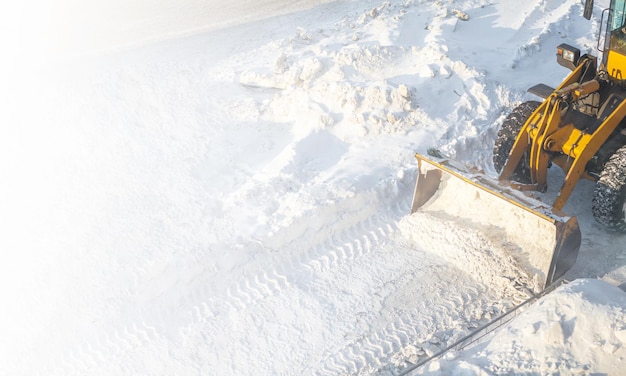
pixel 190 188
pixel 579 329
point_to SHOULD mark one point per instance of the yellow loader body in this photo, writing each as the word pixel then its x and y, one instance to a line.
pixel 579 126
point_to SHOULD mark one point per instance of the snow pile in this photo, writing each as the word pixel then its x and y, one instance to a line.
pixel 580 328
pixel 235 201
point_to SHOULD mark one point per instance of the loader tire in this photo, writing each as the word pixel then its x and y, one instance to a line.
pixel 609 196
pixel 507 134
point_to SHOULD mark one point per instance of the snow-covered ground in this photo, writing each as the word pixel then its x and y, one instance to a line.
pixel 194 189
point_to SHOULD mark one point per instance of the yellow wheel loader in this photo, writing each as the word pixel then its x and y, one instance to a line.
pixel 580 127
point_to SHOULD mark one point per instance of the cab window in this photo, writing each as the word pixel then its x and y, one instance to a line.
pixel 618 27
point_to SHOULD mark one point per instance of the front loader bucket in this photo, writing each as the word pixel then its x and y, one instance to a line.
pixel 544 244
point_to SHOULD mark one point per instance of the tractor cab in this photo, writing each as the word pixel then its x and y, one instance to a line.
pixel 614 58
pixel 611 42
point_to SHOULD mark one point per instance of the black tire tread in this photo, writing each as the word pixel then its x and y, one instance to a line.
pixel 507 134
pixel 609 194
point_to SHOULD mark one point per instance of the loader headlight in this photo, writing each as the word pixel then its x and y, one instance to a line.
pixel 567 56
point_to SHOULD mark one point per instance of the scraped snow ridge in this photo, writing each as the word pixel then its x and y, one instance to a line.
pixel 236 201
pixel 554 336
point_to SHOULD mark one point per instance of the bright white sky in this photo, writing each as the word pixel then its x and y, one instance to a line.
pixel 49 29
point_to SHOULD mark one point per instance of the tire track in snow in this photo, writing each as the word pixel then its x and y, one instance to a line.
pixel 354 242
pixel 377 349
pixel 325 258
pixel 324 261
pixel 360 235
pixel 361 232
pixel 333 255
pixel 429 326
